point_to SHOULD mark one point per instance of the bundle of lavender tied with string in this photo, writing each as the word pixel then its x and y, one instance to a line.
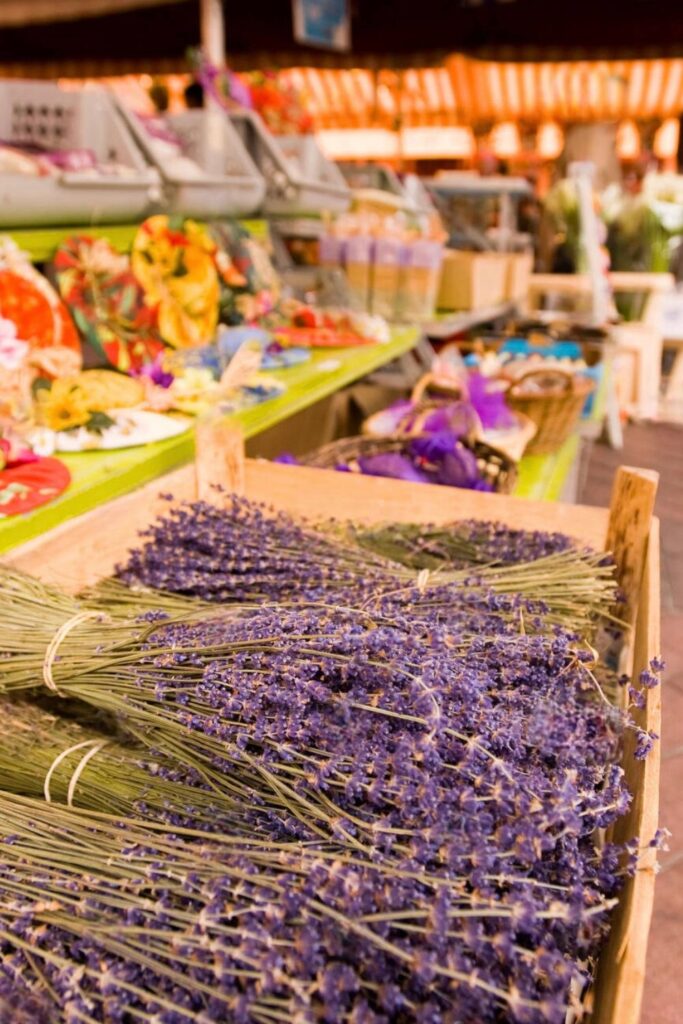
pixel 244 551
pixel 104 921
pixel 451 731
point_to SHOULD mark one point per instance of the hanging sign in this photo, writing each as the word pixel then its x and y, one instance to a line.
pixel 322 23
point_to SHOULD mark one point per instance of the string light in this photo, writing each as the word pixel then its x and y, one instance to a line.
pixel 549 140
pixel 628 141
pixel 505 140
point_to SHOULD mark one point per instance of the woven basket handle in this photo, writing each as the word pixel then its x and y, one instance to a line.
pixel 562 377
pixel 445 388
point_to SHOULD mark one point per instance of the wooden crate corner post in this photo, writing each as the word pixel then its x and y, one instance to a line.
pixel 219 460
pixel 633 539
pixel 628 532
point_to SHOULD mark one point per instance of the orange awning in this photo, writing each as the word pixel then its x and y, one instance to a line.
pixel 479 92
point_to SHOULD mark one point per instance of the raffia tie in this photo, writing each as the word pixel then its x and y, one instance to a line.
pixel 94 748
pixel 58 638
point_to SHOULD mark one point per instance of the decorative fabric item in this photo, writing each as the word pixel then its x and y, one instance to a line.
pixel 40 317
pixel 250 286
pixel 104 389
pixel 13 450
pixel 273 355
pixel 28 485
pixel 128 429
pixel 15 375
pixel 85 399
pixel 174 262
pixel 106 302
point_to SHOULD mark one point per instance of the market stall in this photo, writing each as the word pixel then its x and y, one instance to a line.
pixel 99 477
pixel 324 701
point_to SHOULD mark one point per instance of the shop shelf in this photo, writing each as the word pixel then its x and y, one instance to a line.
pixel 43 115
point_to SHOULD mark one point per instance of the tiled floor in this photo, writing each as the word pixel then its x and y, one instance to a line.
pixel 660 447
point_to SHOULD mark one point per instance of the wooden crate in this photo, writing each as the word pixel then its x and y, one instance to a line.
pixel 81 552
pixel 520 266
pixel 472 280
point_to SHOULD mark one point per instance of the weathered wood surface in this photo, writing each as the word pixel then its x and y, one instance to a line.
pixel 621 974
pixel 80 552
pixel 631 510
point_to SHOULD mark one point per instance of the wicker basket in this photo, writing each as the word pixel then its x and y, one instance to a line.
pixel 432 393
pixel 495 467
pixel 555 408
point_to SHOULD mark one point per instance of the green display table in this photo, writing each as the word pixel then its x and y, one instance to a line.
pixel 545 477
pixel 98 477
pixel 40 243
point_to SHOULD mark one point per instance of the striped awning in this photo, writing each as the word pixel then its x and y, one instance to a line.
pixel 568 90
pixel 359 97
pixel 479 92
pixel 462 91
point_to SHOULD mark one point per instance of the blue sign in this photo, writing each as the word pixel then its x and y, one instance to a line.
pixel 323 23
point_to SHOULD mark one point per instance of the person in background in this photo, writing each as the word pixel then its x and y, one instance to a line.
pixel 158 93
pixel 194 96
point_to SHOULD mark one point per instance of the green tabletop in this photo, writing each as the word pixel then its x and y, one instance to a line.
pixel 543 477
pixel 40 243
pixel 97 477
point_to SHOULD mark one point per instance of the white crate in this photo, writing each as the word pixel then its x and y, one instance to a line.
pixel 42 114
pixel 228 184
pixel 300 180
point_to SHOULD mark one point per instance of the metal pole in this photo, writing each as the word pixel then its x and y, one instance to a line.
pixel 506 226
pixel 212 33
pixel 213 47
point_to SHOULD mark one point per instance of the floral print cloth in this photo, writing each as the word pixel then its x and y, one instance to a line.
pixel 81 400
pixel 106 301
pixel 174 262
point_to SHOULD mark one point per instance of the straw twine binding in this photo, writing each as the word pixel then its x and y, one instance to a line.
pixel 48 679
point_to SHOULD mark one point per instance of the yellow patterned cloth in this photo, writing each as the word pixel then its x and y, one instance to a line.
pixel 175 263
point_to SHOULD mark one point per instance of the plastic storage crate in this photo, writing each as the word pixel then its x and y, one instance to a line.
pixel 229 183
pixel 299 179
pixel 410 194
pixel 42 114
pixel 372 176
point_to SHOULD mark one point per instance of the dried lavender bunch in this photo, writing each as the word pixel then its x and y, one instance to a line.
pixel 45 755
pixel 19 1004
pixel 109 922
pixel 250 553
pixel 245 552
pixel 363 729
pixel 459 544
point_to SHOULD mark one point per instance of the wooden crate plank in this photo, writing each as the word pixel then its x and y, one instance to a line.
pixel 219 462
pixel 103 535
pixel 631 509
pixel 621 973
